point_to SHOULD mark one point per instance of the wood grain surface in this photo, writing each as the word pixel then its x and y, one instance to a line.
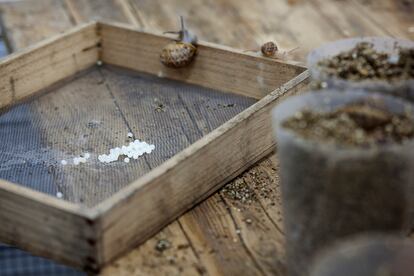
pixel 223 235
pixel 217 67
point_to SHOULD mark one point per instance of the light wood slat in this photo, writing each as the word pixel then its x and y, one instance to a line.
pixel 395 17
pixel 110 10
pixel 46 226
pixel 215 67
pixel 28 22
pixel 25 73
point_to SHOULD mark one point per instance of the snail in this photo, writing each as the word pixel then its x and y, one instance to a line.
pixel 180 53
pixel 271 50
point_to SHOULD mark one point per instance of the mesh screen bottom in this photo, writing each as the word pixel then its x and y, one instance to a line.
pixel 93 113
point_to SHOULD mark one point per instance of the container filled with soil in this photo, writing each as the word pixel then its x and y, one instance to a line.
pixel 375 64
pixel 346 162
pixel 373 255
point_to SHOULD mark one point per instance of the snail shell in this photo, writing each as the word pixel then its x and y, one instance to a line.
pixel 269 49
pixel 178 54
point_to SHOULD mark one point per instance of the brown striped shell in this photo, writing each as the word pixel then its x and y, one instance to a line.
pixel 182 52
pixel 269 49
pixel 178 54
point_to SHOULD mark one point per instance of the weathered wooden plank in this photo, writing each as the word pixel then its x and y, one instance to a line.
pixel 33 22
pixel 217 240
pixel 266 175
pixel 177 259
pixel 37 222
pixel 110 10
pixel 347 19
pixel 215 67
pixel 37 67
pixel 395 17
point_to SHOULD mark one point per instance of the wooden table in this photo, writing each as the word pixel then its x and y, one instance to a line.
pixel 224 235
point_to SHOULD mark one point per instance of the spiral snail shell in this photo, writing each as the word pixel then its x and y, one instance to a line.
pixel 269 49
pixel 180 53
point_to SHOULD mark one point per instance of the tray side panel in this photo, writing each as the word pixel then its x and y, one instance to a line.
pixel 27 72
pixel 47 226
pixel 138 211
pixel 215 67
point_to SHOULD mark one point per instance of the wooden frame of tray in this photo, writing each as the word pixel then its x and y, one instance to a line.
pixel 88 238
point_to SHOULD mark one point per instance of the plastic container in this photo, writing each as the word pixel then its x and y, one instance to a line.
pixel 330 191
pixel 383 44
pixel 367 256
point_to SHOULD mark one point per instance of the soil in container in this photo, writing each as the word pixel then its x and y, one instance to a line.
pixel 375 64
pixel 364 62
pixel 373 255
pixel 346 168
pixel 356 124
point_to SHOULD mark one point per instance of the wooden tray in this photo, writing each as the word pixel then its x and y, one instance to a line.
pixel 209 122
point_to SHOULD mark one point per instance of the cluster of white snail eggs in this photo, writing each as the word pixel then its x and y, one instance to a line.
pixel 133 150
